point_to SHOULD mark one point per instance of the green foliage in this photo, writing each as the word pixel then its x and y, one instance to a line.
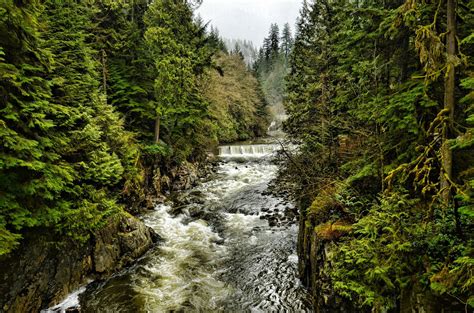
pixel 160 149
pixel 32 173
pixel 271 68
pixel 236 106
pixel 373 268
pixel 365 99
pixel 82 84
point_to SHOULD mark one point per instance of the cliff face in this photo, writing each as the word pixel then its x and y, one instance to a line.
pixel 44 270
pixel 315 264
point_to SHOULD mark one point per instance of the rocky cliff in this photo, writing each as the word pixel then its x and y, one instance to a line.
pixel 45 269
pixel 314 265
pixel 316 253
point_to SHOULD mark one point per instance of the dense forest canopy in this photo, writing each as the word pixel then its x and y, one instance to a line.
pixel 93 92
pixel 96 96
pixel 380 96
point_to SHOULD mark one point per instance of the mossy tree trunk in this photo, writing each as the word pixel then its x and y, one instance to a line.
pixel 449 101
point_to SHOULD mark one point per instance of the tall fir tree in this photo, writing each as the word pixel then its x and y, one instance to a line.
pixel 286 41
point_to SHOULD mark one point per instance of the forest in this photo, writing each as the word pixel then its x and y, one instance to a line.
pixel 92 92
pixel 104 102
pixel 380 95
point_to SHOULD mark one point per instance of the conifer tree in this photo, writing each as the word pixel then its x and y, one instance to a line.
pixel 176 44
pixel 372 76
pixel 32 174
pixel 83 84
pixel 274 39
pixel 286 41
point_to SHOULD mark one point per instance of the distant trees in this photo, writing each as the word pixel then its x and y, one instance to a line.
pixel 216 41
pixel 271 65
pixel 286 41
pixel 243 47
pixel 273 45
pixel 236 101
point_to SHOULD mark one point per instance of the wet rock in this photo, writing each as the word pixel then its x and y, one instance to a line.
pixel 45 269
pixel 290 213
pixel 195 211
pixel 272 221
pixel 165 183
pixel 219 241
pixel 121 241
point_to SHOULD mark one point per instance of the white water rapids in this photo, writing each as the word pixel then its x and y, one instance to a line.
pixel 218 253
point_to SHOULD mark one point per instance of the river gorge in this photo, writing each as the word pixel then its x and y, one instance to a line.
pixel 227 245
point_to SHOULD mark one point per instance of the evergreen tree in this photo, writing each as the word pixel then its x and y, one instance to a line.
pixel 271 67
pixel 267 49
pixel 97 147
pixel 127 67
pixel 176 44
pixel 286 41
pixel 215 41
pixel 274 40
pixel 365 97
pixel 32 174
pixel 64 151
pixel 90 93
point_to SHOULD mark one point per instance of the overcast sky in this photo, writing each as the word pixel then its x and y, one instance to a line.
pixel 249 19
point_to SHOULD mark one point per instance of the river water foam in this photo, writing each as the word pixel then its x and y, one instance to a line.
pixel 218 254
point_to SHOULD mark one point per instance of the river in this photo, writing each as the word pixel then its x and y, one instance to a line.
pixel 230 246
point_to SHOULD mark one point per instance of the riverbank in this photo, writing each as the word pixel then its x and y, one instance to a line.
pixel 220 250
pixel 46 268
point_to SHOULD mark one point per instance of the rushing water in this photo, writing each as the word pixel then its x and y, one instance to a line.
pixel 219 252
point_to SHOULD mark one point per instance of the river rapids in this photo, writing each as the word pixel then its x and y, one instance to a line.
pixel 229 249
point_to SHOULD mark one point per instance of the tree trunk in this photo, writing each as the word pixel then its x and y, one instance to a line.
pixel 157 129
pixel 104 71
pixel 446 153
pixel 405 44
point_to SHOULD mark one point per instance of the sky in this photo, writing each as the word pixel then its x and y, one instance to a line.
pixel 249 19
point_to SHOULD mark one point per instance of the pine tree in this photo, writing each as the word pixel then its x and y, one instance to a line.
pixel 176 44
pixel 267 49
pixel 274 39
pixel 98 149
pixel 128 67
pixel 365 98
pixel 286 41
pixel 65 155
pixel 32 174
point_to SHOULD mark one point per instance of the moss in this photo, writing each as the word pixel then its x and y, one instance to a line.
pixel 326 203
pixel 333 231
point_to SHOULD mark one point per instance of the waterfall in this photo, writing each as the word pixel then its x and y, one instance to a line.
pixel 230 248
pixel 260 150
